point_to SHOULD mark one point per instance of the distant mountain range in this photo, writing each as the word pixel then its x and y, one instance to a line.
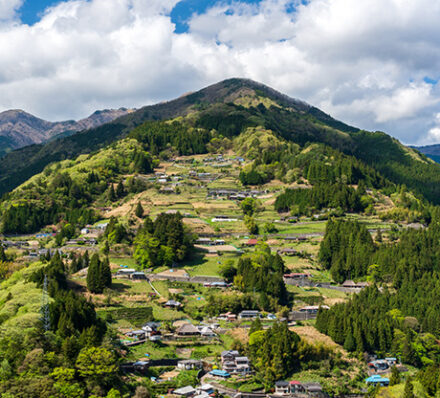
pixel 19 128
pixel 431 151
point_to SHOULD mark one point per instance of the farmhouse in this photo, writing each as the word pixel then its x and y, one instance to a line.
pixel 228 316
pixel 249 314
pixel 251 242
pixel 232 362
pixel 187 329
pixel 187 391
pixel 172 304
pixel 377 380
pixel 138 276
pixel 349 284
pixel 297 275
pixel 125 272
pixel 190 364
pixel 287 251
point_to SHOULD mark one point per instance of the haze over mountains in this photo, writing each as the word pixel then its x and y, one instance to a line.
pixel 19 128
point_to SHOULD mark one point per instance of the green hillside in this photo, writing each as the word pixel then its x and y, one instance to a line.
pixel 230 107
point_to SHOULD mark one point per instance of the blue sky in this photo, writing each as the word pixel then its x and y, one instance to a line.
pixel 32 10
pixel 371 63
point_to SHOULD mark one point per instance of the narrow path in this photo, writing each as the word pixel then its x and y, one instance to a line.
pixel 155 290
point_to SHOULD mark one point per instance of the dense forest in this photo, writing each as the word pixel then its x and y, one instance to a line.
pixel 162 242
pixel 321 196
pixel 65 191
pixel 263 272
pixel 403 317
pixel 69 354
pixel 346 250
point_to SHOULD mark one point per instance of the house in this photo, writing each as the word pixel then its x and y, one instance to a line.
pixel 189 364
pixel 206 332
pixel 141 366
pixel 282 387
pixel 138 276
pixel 229 355
pixel 228 316
pixel 313 309
pixel 349 284
pixel 204 241
pixel 187 391
pixel 242 365
pixel 172 304
pixel 312 388
pixel 249 314
pixel 151 329
pixel 297 275
pixel 232 362
pixel 206 389
pixel 138 334
pixel 287 251
pixel 391 361
pixel 187 330
pixel 125 272
pixel 251 242
pixel 219 373
pixel 379 365
pixel 218 284
pixel 295 387
pixel 377 380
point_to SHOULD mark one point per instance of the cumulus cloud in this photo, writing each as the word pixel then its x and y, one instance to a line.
pixel 365 62
pixel 8 9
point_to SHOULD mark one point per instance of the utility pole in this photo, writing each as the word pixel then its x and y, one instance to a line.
pixel 45 314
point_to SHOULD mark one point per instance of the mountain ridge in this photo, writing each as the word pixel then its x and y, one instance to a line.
pixel 19 128
pixel 229 108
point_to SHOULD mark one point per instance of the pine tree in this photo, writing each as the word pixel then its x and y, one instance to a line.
pixel 93 278
pixel 395 376
pixel 85 259
pixel 408 392
pixel 349 343
pixel 2 254
pixel 120 191
pixel 105 275
pixel 106 248
pixel 255 326
pixel 139 210
pixel 111 193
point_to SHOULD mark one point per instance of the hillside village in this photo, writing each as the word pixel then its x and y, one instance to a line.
pixel 171 330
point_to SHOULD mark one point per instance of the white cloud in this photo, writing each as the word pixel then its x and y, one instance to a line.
pixel 8 9
pixel 364 61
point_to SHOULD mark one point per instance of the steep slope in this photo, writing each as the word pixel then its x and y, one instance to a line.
pixel 228 108
pixel 19 128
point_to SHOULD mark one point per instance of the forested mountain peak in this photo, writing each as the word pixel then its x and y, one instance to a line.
pixel 228 109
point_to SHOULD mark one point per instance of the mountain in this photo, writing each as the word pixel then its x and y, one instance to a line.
pixel 229 108
pixel 431 151
pixel 19 129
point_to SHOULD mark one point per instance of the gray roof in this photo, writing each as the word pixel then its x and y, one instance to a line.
pixel 185 390
pixel 187 328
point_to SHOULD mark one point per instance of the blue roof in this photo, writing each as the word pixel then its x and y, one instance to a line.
pixel 218 372
pixel 377 379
